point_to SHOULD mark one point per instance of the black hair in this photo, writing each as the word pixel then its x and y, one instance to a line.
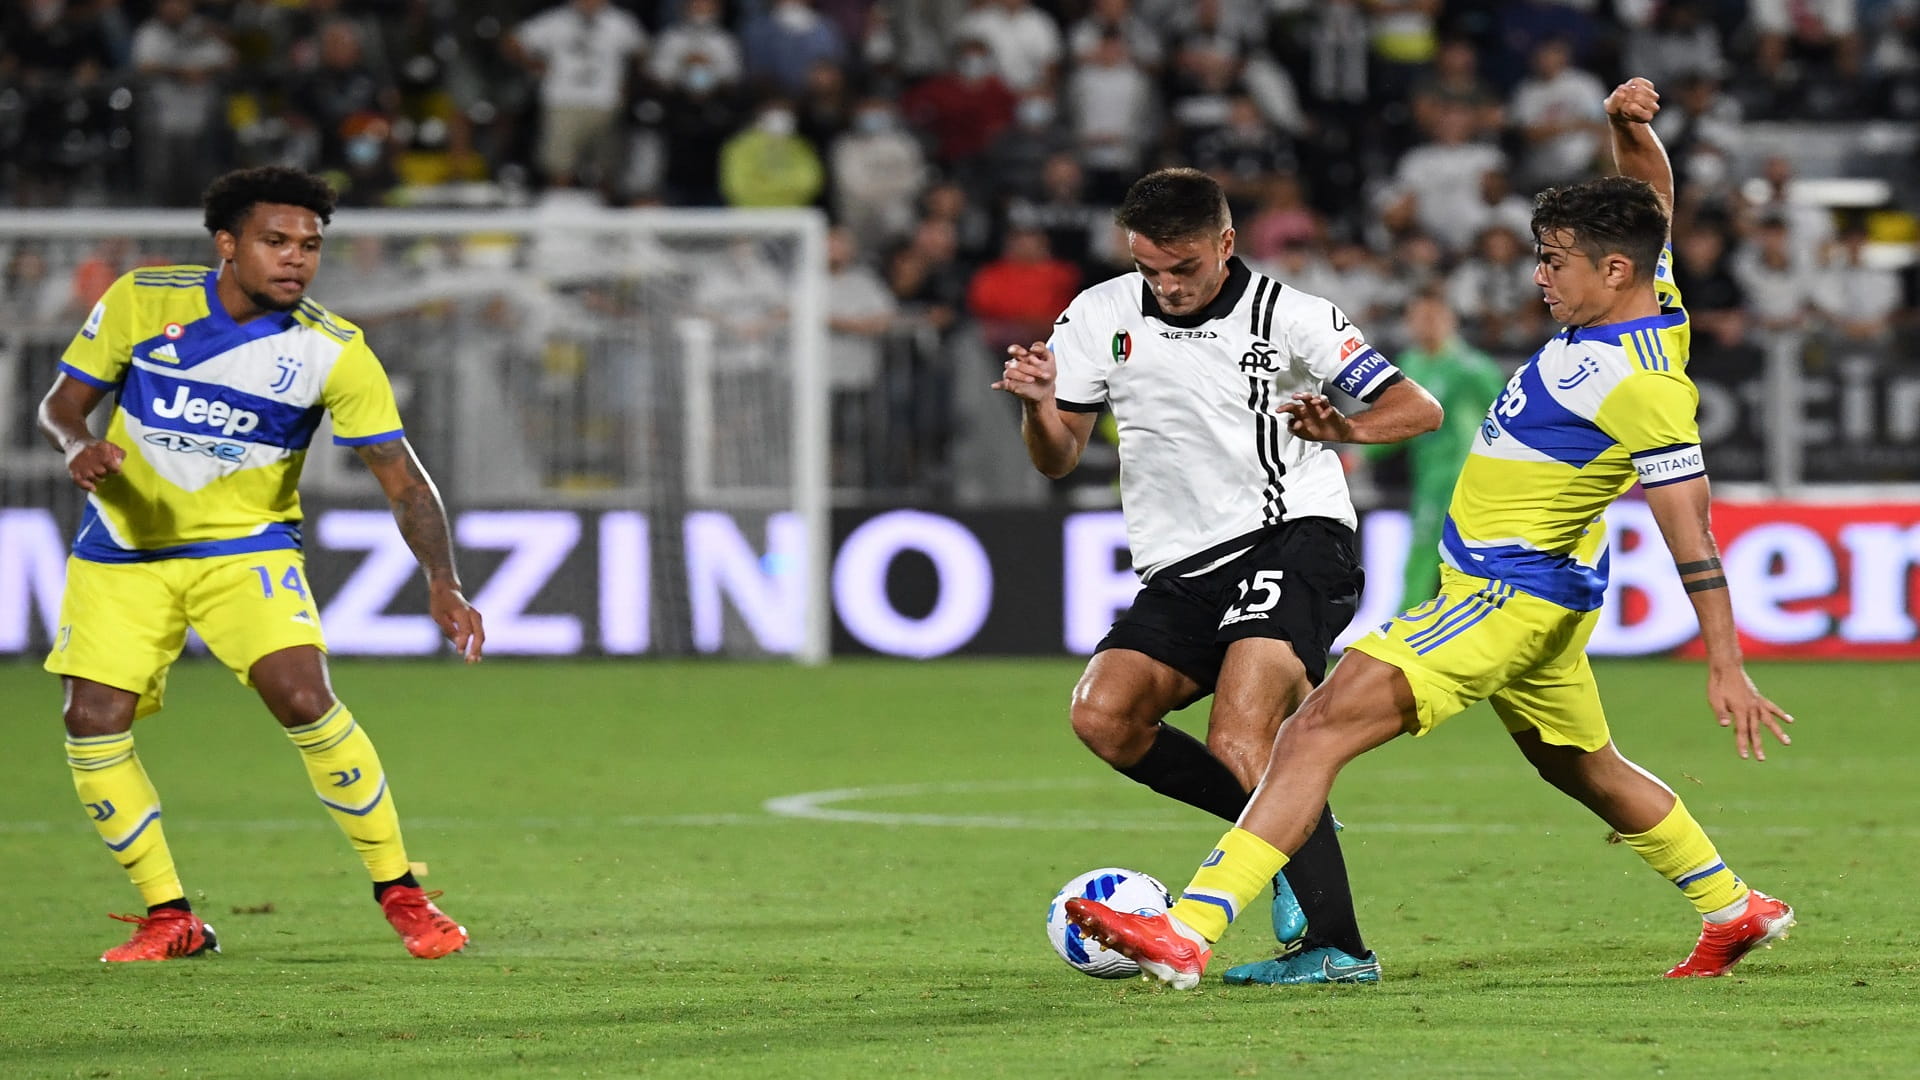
pixel 229 199
pixel 1169 205
pixel 1608 216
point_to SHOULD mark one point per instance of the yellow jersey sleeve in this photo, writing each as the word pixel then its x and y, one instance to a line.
pixel 360 399
pixel 103 349
pixel 1664 286
pixel 1652 417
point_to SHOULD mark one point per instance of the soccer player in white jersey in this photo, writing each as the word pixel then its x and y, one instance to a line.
pixel 1237 515
pixel 192 519
pixel 1605 403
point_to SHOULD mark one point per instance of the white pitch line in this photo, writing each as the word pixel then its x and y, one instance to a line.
pixel 825 806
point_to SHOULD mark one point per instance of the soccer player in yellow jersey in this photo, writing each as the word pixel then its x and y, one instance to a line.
pixel 193 519
pixel 1603 404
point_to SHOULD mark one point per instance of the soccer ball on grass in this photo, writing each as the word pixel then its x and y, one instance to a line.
pixel 1119 889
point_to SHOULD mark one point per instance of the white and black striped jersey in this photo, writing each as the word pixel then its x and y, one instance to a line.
pixel 1206 463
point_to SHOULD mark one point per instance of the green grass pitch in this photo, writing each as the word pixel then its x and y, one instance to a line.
pixel 726 870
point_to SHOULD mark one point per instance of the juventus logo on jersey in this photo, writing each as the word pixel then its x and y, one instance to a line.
pixel 287 367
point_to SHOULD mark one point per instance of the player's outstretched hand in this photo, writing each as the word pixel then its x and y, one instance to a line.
pixel 1029 373
pixel 458 620
pixel 1634 101
pixel 1312 416
pixel 94 462
pixel 1740 706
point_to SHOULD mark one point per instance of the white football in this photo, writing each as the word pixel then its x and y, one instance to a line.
pixel 1119 889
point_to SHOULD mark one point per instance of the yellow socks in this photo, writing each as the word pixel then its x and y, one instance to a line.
pixel 347 776
pixel 1228 881
pixel 1679 849
pixel 126 810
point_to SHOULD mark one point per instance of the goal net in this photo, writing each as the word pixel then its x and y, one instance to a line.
pixel 624 410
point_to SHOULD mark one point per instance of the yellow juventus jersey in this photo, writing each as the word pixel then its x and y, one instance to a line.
pixel 1595 409
pixel 215 416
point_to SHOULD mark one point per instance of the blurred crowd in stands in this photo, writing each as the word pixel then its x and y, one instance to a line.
pixel 969 152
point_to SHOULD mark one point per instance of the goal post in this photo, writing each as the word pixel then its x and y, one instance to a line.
pixel 661 372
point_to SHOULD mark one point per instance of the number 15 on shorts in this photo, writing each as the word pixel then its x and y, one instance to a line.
pixel 1263 590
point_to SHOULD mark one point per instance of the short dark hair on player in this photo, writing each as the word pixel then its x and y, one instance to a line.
pixel 1169 205
pixel 1610 215
pixel 229 199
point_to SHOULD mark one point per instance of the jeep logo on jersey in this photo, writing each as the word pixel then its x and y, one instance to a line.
pixel 190 444
pixel 1122 346
pixel 212 413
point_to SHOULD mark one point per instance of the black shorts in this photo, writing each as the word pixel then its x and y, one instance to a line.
pixel 1299 583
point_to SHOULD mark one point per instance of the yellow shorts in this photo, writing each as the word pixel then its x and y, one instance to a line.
pixel 123 624
pixel 1483 640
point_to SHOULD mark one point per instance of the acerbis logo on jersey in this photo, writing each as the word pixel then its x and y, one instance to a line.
pixel 212 412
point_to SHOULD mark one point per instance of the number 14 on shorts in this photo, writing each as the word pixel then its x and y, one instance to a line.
pixel 290 581
pixel 1266 584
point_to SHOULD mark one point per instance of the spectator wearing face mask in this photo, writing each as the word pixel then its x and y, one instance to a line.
pixel 783 44
pixel 879 172
pixel 344 87
pixel 1024 40
pixel 1012 167
pixel 964 109
pixel 699 113
pixel 697 51
pixel 769 163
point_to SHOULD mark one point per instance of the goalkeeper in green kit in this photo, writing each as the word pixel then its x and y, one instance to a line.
pixel 1464 381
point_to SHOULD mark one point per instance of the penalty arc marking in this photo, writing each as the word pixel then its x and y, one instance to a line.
pixel 831 806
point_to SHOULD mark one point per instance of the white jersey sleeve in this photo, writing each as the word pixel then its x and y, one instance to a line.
pixel 1080 367
pixel 1334 351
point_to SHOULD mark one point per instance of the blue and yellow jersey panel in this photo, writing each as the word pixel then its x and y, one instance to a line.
pixel 215 416
pixel 1597 408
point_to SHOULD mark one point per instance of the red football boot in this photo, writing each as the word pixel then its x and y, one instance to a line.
pixel 1723 944
pixel 424 928
pixel 166 934
pixel 1148 940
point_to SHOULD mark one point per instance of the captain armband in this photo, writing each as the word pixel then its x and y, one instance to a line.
pixel 1669 465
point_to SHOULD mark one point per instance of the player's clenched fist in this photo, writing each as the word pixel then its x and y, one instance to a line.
pixel 94 462
pixel 1634 101
pixel 1029 372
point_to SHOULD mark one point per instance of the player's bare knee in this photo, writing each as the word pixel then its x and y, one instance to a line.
pixel 88 716
pixel 1320 729
pixel 1115 737
pixel 302 706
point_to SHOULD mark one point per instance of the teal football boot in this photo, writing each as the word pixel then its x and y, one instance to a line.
pixel 1320 965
